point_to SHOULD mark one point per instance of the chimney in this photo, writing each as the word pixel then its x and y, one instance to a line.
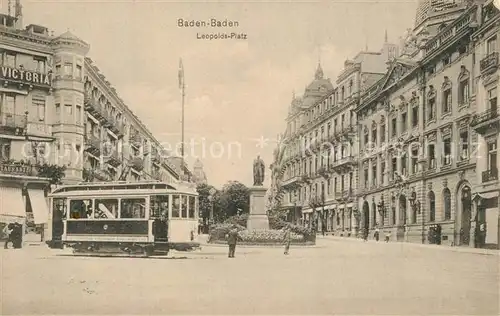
pixel 18 14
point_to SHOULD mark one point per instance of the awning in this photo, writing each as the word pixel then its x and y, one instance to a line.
pixel 39 206
pixel 12 206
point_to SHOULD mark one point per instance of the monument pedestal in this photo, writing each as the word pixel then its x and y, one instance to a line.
pixel 257 219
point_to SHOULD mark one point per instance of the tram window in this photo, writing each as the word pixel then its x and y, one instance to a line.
pixel 192 207
pixel 80 209
pixel 59 209
pixel 159 206
pixel 175 206
pixel 106 208
pixel 133 208
pixel 184 206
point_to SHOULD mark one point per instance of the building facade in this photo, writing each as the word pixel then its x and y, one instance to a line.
pixel 319 169
pixel 57 108
pixel 423 156
pixel 422 163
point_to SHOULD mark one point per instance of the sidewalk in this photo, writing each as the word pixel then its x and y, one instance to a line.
pixel 493 252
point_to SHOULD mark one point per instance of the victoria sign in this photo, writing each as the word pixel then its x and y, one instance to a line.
pixel 25 76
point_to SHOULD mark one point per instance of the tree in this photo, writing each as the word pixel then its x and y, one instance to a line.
pixel 234 197
pixel 204 202
pixel 54 172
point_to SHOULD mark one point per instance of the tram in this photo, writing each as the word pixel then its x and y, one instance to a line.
pixel 142 218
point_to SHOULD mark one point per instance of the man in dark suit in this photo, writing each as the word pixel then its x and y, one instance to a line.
pixel 232 239
pixel 8 230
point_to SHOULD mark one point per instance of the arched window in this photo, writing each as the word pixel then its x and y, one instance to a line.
pixel 447 203
pixel 432 206
pixel 374 215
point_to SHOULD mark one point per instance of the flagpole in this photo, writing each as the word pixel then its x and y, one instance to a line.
pixel 183 94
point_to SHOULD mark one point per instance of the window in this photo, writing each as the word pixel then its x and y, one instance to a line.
pixel 394 124
pixel 176 206
pixel 4 149
pixel 158 206
pixel 404 122
pixel 107 208
pixel 492 156
pixel 366 137
pixel 393 211
pixel 404 164
pixel 58 70
pixel 192 207
pixel 350 181
pixel 463 91
pixel 68 109
pixel 464 145
pixel 335 184
pixel 38 102
pixel 447 204
pixel 382 172
pixel 342 182
pixel 78 114
pixel 432 156
pixel 491 45
pixel 365 174
pixel 68 69
pixel 80 209
pixel 133 208
pixel 447 101
pixel 447 152
pixel 374 174
pixel 78 71
pixel 374 135
pixel 10 104
pixel 382 132
pixel 328 129
pixel 492 100
pixel 394 166
pixel 432 207
pixel 184 206
pixel 10 60
pixel 414 160
pixel 39 65
pixel 414 116
pixel 431 111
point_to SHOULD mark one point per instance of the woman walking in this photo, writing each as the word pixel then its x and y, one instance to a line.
pixel 287 239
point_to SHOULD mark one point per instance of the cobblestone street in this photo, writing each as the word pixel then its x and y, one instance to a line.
pixel 334 277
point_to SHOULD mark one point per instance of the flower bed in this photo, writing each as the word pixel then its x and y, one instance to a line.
pixel 299 235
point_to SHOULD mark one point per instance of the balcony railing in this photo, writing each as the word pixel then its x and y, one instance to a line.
pixel 137 163
pixel 93 145
pixel 12 124
pixel 291 181
pixel 94 107
pixel 111 156
pixel 39 129
pixel 135 139
pixel 489 175
pixel 484 121
pixel 489 63
pixel 17 169
pixel 343 163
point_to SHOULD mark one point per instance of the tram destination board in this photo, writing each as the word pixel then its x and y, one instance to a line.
pixel 105 227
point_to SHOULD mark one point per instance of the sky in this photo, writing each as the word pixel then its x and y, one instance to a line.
pixel 237 90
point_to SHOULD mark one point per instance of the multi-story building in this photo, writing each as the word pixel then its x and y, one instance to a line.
pixel 484 215
pixel 319 164
pixel 199 176
pixel 56 108
pixel 418 159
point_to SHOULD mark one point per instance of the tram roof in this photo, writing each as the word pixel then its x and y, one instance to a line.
pixel 123 186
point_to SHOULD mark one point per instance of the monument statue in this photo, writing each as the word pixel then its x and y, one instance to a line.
pixel 258 171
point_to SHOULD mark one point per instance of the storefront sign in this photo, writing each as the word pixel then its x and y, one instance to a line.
pixel 25 76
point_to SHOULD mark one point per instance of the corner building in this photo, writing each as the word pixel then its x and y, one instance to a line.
pixel 418 152
pixel 56 108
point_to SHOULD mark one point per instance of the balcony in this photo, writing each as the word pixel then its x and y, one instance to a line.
pixel 12 124
pixel 11 168
pixel 95 109
pixel 157 175
pixel 93 145
pixel 489 63
pixel 486 121
pixel 489 175
pixel 111 156
pixel 347 131
pixel 40 129
pixel 135 140
pixel 344 164
pixel 290 182
pixel 137 163
pixel 156 159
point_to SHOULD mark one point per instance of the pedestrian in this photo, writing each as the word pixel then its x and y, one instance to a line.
pixel 287 239
pixel 232 239
pixel 17 235
pixel 377 234
pixel 7 230
pixel 387 236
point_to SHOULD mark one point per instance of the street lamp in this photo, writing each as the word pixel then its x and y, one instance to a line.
pixel 211 193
